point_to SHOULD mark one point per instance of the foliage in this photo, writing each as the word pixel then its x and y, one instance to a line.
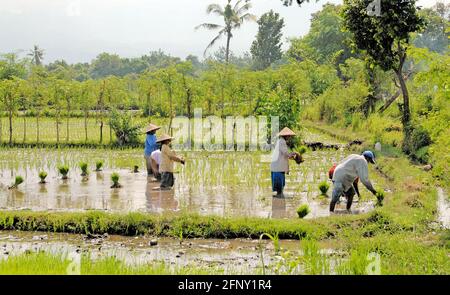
pixel 266 49
pixel 124 128
pixel 434 37
pixel 233 16
pixel 326 42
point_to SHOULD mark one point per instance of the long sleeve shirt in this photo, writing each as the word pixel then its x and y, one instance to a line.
pixel 352 167
pixel 168 156
pixel 280 157
pixel 150 144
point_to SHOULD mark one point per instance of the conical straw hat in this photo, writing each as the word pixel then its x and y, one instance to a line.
pixel 286 132
pixel 151 127
pixel 164 137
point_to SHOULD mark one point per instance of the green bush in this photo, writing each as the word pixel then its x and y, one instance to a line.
pixel 303 210
pixel 124 128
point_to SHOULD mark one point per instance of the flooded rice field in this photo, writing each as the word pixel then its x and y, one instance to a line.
pixel 222 183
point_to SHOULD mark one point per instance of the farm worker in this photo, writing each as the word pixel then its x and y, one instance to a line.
pixel 345 174
pixel 168 157
pixel 150 146
pixel 355 183
pixel 155 159
pixel 279 166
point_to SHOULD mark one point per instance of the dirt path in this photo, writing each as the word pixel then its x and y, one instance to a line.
pixel 443 207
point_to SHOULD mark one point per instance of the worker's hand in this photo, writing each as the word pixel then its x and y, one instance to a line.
pixel 183 161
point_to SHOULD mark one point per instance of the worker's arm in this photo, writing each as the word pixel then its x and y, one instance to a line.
pixel 363 174
pixel 173 156
pixel 284 151
pixel 355 185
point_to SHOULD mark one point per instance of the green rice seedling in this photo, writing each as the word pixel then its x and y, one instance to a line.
pixel 115 180
pixel 84 169
pixel 324 186
pixel 17 181
pixel 63 170
pixel 303 210
pixel 42 176
pixel 276 244
pixel 180 236
pixel 302 150
pixel 99 165
pixel 380 198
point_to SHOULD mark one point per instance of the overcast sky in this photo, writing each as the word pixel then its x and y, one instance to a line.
pixel 78 30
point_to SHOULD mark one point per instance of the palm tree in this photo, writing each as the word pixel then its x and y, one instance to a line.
pixel 233 16
pixel 37 55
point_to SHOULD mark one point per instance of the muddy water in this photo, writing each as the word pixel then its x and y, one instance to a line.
pixel 231 256
pixel 219 183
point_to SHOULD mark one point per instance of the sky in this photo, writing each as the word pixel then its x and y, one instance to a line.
pixel 78 30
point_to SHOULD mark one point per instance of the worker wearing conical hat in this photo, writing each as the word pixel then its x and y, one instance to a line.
pixel 279 166
pixel 150 146
pixel 168 157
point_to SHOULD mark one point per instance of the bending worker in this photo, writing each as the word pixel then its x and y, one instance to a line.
pixel 353 167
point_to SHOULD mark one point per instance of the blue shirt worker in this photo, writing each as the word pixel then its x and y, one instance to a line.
pixel 150 146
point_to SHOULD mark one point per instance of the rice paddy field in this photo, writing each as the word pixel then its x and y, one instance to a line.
pixel 220 218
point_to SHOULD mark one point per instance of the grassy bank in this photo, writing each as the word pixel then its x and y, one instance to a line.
pixel 48 264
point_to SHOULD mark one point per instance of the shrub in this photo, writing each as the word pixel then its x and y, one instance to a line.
pixel 42 176
pixel 63 170
pixel 324 187
pixel 99 165
pixel 115 180
pixel 84 169
pixel 124 128
pixel 303 210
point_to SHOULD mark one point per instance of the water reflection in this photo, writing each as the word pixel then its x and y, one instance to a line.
pixel 279 207
pixel 159 201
